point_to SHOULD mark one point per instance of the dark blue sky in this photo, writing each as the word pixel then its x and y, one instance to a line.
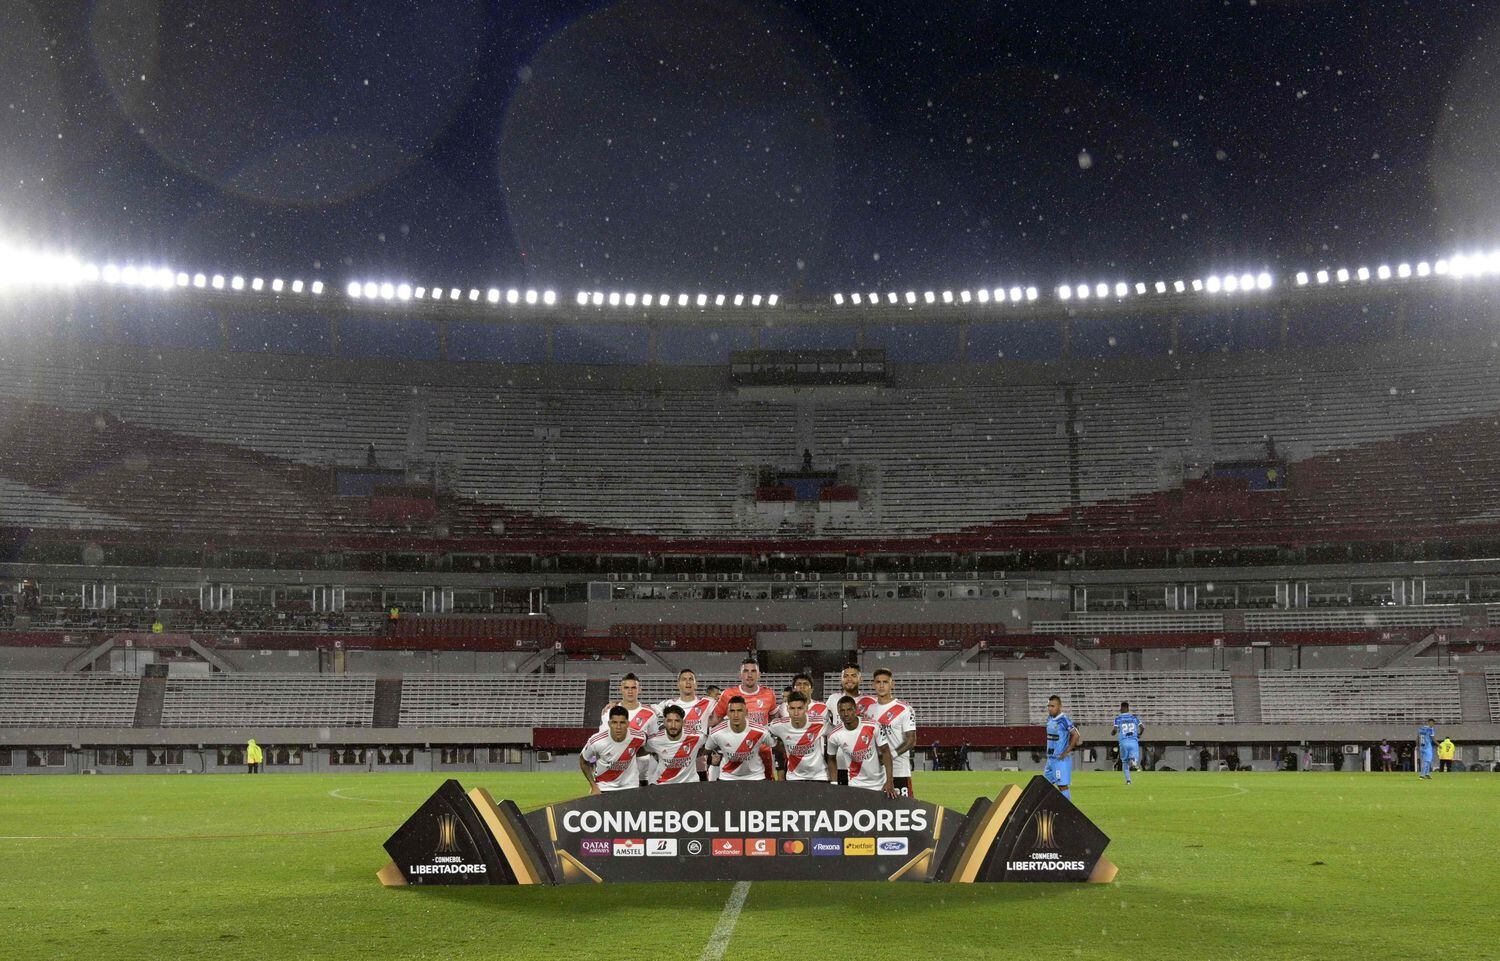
pixel 813 145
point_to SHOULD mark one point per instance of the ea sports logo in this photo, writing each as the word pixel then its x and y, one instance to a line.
pixel 695 847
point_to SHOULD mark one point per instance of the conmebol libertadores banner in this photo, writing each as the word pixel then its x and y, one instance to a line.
pixel 746 831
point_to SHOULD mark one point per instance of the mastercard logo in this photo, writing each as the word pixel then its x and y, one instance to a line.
pixel 794 846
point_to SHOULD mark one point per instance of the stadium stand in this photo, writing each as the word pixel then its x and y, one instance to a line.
pixel 968 700
pixel 269 700
pixel 1131 624
pixel 1178 697
pixel 37 700
pixel 1353 620
pixel 1360 697
pixel 694 637
pixel 1492 692
pixel 478 700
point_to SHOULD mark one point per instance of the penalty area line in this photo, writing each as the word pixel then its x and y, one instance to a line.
pixel 718 942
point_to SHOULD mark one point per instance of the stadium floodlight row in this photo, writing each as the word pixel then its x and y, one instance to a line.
pixel 1458 267
pixel 22 268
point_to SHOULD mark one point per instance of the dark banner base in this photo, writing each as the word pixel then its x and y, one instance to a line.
pixel 746 831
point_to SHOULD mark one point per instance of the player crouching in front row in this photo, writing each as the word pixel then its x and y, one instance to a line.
pixel 745 748
pixel 608 761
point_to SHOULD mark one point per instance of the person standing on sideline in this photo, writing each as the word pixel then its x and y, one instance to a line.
pixel 254 757
pixel 1062 739
pixel 1426 739
pixel 1445 751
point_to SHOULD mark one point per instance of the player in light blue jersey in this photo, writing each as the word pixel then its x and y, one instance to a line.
pixel 1062 738
pixel 1426 741
pixel 1128 729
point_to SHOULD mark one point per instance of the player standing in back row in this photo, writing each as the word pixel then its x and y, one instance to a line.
pixel 759 700
pixel 1062 738
pixel 848 687
pixel 1127 728
pixel 643 718
pixel 696 711
pixel 899 725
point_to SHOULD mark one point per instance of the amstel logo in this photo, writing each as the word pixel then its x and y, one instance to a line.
pixel 447 834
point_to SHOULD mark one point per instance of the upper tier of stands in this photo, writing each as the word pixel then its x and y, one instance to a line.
pixel 30 699
pixel 1360 697
pixel 1492 691
pixel 171 447
pixel 1176 697
pixel 269 700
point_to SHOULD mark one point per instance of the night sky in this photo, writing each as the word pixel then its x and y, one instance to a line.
pixel 809 147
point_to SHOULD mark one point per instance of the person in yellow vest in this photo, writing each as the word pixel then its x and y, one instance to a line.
pixel 253 757
pixel 1446 750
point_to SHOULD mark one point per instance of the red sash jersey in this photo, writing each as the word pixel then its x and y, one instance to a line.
pixel 805 751
pixel 896 720
pixel 859 752
pixel 677 761
pixel 695 714
pixel 614 761
pixel 862 704
pixel 746 754
pixel 644 720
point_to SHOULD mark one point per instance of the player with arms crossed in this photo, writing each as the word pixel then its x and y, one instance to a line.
pixel 696 712
pixel 1062 738
pixel 861 750
pixel 608 761
pixel 745 748
pixel 1426 739
pixel 759 700
pixel 802 738
pixel 676 749
pixel 643 718
pixel 899 725
pixel 1127 728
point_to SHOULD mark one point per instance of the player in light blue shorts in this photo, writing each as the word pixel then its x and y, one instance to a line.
pixel 1426 742
pixel 1062 738
pixel 1128 729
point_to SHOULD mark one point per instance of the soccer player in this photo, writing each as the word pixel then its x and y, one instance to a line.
pixel 816 710
pixel 759 700
pixel 1426 738
pixel 643 718
pixel 676 749
pixel 714 691
pixel 802 738
pixel 744 747
pixel 849 680
pixel 1127 728
pixel 861 750
pixel 899 725
pixel 780 714
pixel 1062 738
pixel 609 759
pixel 695 712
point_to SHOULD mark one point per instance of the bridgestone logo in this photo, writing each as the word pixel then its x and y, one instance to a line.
pixel 445 869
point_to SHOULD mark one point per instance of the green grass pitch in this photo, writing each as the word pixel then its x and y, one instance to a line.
pixel 1294 866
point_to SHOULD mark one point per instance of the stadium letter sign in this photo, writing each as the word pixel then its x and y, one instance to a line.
pixel 746 831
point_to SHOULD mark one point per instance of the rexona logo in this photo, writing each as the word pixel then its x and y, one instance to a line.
pixel 892 846
pixel 729 847
pixel 630 847
pixel 794 846
pixel 824 847
pixel 594 848
pixel 859 847
pixel 760 847
pixel 661 847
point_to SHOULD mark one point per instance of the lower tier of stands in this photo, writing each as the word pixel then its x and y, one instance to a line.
pixel 1093 697
pixel 1338 697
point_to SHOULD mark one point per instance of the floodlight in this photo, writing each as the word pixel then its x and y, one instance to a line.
pixel 739 300
pixel 1383 272
pixel 492 295
pixel 1064 292
pixel 297 286
pixel 1101 290
pixel 1264 280
pixel 1179 286
pixel 614 298
pixel 947 296
pixel 1161 286
pixel 1121 289
pixel 597 298
pixel 257 283
pixel 531 296
pixel 629 299
pixel 1342 275
pixel 403 291
pixel 929 297
pixel 702 300
pixel 1301 278
pixel 983 295
pixel 771 301
pixel 964 297
pixel 911 296
pixel 1363 273
pixel 719 300
pixel 354 289
pixel 549 297
pixel 1214 284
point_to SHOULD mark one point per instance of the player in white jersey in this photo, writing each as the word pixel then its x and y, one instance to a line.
pixel 676 749
pixel 899 725
pixel 861 750
pixel 608 761
pixel 816 710
pixel 744 747
pixel 848 687
pixel 802 738
pixel 713 759
pixel 643 718
pixel 696 712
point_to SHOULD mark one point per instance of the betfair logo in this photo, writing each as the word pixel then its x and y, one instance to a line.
pixel 447 831
pixel 859 846
pixel 1045 839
